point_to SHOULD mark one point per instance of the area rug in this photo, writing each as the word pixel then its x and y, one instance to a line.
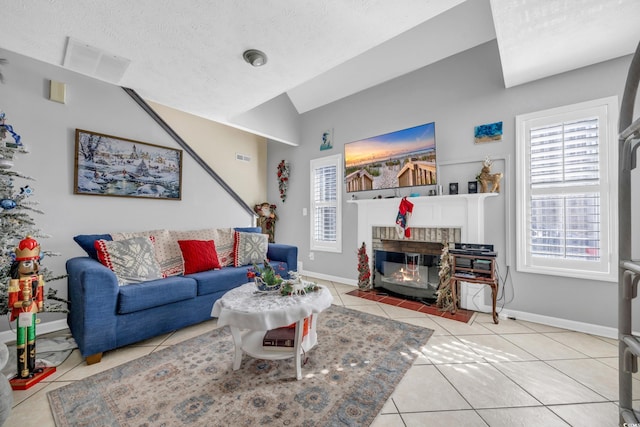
pixel 358 362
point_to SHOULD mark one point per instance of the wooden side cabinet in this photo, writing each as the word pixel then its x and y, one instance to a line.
pixel 474 269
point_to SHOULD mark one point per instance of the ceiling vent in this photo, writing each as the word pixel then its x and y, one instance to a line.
pixel 94 62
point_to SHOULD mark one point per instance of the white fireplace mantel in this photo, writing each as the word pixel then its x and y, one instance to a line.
pixel 464 211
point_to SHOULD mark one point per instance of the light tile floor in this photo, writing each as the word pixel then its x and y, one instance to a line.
pixel 515 373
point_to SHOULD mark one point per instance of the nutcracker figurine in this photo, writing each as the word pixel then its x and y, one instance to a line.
pixel 25 300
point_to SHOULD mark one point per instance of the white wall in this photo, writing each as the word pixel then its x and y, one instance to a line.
pixel 457 93
pixel 48 129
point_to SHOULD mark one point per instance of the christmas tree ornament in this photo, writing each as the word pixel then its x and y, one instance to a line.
pixel 4 128
pixel 7 204
pixel 5 163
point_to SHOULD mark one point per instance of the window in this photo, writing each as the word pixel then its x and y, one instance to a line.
pixel 566 190
pixel 326 204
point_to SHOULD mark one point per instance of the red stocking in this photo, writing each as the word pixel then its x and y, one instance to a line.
pixel 402 220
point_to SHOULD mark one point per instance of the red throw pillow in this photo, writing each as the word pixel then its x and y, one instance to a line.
pixel 199 255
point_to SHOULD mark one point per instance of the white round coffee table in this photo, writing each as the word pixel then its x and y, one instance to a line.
pixel 244 308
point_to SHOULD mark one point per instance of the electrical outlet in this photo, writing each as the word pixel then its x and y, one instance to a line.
pixel 312 256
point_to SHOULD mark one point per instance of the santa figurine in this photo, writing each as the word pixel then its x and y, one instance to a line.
pixel 26 298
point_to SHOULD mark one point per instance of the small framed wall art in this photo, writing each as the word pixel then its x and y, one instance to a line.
pixel 491 132
pixel 107 165
pixel 453 188
pixel 327 140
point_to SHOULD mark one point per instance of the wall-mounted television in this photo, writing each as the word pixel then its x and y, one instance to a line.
pixel 404 158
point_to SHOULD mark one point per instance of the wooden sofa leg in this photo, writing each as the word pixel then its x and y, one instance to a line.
pixel 94 358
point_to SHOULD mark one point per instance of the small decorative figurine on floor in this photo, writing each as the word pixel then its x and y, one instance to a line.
pixel 485 177
pixel 364 272
pixel 26 298
pixel 444 300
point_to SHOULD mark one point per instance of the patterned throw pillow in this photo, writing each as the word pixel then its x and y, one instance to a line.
pixel 249 248
pixel 167 251
pixel 199 255
pixel 132 260
pixel 225 241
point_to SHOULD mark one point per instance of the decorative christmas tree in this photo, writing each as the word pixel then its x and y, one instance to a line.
pixel 364 273
pixel 444 301
pixel 15 217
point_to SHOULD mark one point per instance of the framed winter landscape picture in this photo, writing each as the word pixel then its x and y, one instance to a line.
pixel 107 165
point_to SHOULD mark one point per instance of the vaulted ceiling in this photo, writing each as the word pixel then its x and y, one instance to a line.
pixel 188 54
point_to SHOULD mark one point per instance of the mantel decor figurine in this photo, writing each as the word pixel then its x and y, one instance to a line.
pixel 485 177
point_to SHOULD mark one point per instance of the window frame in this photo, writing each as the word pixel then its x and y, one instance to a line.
pixel 606 109
pixel 314 164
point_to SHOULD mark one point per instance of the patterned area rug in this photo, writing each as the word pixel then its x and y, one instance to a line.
pixel 349 375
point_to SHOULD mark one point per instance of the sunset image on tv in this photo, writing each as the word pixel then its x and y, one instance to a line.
pixel 404 158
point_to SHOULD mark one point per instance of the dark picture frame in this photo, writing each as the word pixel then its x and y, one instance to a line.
pixel 107 165
pixel 453 188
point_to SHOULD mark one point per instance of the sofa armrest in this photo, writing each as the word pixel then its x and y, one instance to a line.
pixel 284 253
pixel 93 297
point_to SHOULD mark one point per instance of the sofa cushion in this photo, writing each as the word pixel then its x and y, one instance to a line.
pixel 167 251
pixel 154 293
pixel 224 279
pixel 199 255
pixel 86 242
pixel 249 248
pixel 249 229
pixel 132 260
pixel 224 245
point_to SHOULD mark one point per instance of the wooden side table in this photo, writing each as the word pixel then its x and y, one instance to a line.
pixel 474 269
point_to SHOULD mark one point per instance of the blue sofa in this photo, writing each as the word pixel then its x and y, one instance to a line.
pixel 104 316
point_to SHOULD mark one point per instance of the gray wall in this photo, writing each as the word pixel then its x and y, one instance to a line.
pixel 457 93
pixel 48 129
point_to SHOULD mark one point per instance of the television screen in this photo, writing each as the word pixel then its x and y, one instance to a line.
pixel 403 158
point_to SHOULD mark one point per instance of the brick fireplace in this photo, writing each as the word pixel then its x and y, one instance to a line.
pixel 409 266
pixel 435 220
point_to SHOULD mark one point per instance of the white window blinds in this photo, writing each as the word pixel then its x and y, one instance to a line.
pixel 566 186
pixel 326 204
pixel 565 156
pixel 325 183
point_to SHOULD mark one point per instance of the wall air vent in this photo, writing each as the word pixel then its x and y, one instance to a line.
pixel 243 157
pixel 94 62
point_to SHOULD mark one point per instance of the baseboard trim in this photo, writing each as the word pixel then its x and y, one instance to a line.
pixel 330 278
pixel 587 328
pixel 42 328
pixel 572 325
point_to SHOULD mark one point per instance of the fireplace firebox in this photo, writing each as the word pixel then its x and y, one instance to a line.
pixel 409 274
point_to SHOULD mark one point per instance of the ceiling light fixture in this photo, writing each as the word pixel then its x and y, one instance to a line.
pixel 255 57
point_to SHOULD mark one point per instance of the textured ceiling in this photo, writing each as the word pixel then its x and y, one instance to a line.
pixel 188 54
